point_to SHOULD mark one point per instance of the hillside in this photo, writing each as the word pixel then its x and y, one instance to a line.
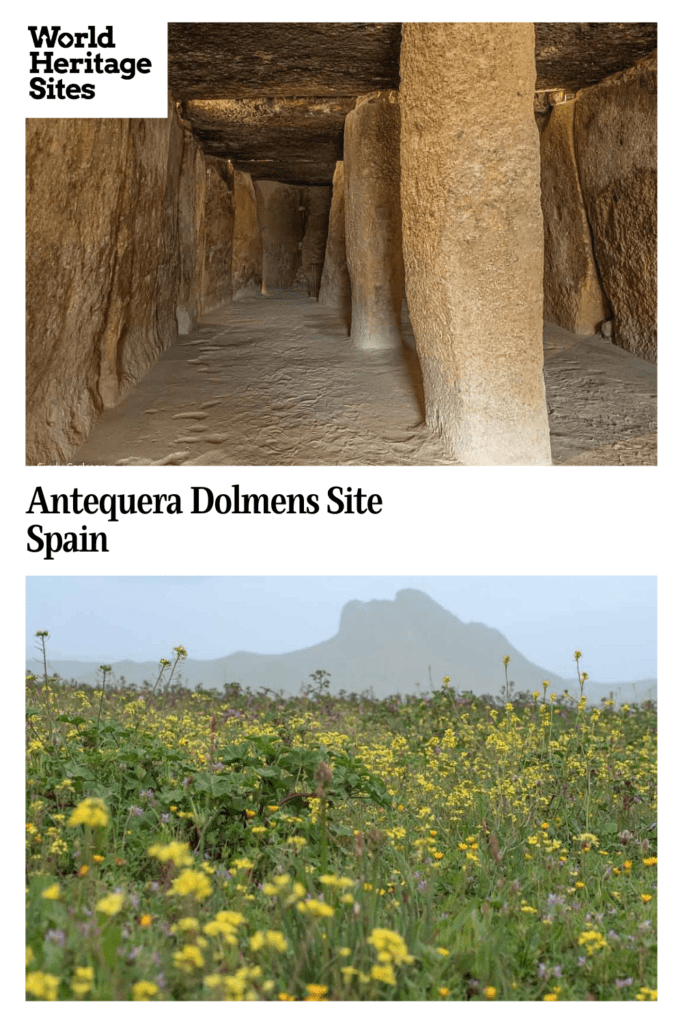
pixel 398 646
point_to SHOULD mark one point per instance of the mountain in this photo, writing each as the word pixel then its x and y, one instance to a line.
pixel 388 647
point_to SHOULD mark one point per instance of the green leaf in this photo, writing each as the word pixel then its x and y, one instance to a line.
pixel 110 942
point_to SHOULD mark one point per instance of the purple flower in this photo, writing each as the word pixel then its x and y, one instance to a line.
pixel 623 982
pixel 136 812
pixel 165 818
pixel 56 935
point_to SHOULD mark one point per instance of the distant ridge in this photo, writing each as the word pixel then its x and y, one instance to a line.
pixel 402 646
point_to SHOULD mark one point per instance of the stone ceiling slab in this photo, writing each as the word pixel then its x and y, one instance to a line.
pixel 273 97
pixel 291 139
pixel 235 60
pixel 573 55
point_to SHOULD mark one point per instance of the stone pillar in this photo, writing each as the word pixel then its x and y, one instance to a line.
pixel 191 201
pixel 373 220
pixel 280 222
pixel 473 237
pixel 317 199
pixel 573 295
pixel 218 222
pixel 247 254
pixel 616 151
pixel 102 267
pixel 335 286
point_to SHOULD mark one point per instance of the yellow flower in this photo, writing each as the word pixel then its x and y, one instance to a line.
pixel 316 991
pixel 91 812
pixel 593 941
pixel 144 990
pixel 443 992
pixel 336 882
pixel 83 870
pixel 82 981
pixel 649 861
pixel 489 992
pixel 188 958
pixel 51 893
pixel 42 986
pixel 185 924
pixel 243 862
pixel 145 920
pixel 645 897
pixel 315 908
pixel 176 852
pixel 110 904
pixel 383 972
pixel 191 883
pixel 390 946
pixel 275 940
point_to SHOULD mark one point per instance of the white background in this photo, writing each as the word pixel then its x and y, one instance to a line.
pixel 436 520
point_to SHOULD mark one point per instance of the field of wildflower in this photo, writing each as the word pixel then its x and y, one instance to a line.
pixel 248 846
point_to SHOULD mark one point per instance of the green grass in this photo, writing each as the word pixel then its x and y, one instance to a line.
pixel 423 848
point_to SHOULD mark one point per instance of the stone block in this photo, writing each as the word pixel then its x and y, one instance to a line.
pixel 615 132
pixel 335 286
pixel 473 237
pixel 573 296
pixel 247 254
pixel 102 267
pixel 373 220
pixel 280 218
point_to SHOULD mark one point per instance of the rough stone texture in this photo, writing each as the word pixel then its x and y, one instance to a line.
pixel 208 60
pixel 573 295
pixel 615 131
pixel 571 55
pixel 191 200
pixel 281 225
pixel 292 139
pixel 272 97
pixel 335 286
pixel 473 237
pixel 316 201
pixel 247 254
pixel 218 222
pixel 102 267
pixel 598 395
pixel 372 199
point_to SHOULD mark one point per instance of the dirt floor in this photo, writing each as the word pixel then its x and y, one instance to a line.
pixel 272 381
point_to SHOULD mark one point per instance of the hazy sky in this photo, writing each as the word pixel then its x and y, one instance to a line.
pixel 611 619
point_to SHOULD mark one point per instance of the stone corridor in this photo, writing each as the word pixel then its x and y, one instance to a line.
pixel 341 245
pixel 264 381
